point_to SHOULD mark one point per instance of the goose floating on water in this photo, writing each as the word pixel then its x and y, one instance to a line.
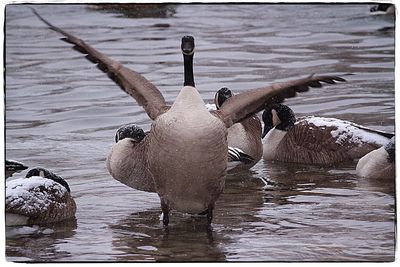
pixel 315 140
pixel 379 163
pixel 244 135
pixel 40 198
pixel 186 149
pixel 13 166
pixel 383 9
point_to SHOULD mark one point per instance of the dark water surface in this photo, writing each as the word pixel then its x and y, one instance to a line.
pixel 62 113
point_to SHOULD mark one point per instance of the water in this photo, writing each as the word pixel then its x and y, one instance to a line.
pixel 62 113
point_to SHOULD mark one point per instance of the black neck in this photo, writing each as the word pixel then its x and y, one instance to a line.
pixel 188 70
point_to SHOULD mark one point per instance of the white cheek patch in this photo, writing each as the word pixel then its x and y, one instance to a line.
pixel 275 118
pixel 41 173
pixel 271 142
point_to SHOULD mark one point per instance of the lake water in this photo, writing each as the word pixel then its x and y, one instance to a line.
pixel 62 114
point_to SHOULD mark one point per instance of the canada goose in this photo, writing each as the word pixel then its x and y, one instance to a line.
pixel 186 149
pixel 12 166
pixel 379 163
pixel 315 140
pixel 42 197
pixel 126 161
pixel 244 135
pixel 383 9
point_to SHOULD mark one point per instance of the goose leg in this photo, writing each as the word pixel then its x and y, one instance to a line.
pixel 165 210
pixel 210 214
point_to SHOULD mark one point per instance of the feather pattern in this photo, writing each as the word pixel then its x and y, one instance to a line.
pixel 40 199
pixel 236 154
pixel 306 142
pixel 315 140
pixel 240 106
pixel 126 163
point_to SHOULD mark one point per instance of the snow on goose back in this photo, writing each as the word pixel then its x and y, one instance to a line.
pixel 315 140
pixel 343 130
pixel 37 200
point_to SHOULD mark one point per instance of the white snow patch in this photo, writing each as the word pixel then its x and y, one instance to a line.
pixel 48 231
pixel 148 248
pixel 347 130
pixel 211 107
pixel 28 193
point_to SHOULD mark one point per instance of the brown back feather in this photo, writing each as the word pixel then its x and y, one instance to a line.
pixel 307 143
pixel 50 206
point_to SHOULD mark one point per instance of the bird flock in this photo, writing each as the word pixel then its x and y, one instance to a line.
pixel 192 146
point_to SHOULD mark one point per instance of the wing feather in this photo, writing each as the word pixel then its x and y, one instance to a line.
pixel 240 106
pixel 134 84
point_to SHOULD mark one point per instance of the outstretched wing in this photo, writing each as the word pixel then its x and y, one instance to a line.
pixel 134 84
pixel 240 106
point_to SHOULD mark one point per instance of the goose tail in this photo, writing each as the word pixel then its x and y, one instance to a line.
pixel 370 130
pixel 237 157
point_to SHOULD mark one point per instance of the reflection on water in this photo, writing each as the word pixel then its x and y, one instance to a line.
pixel 38 243
pixel 141 236
pixel 136 10
pixel 62 113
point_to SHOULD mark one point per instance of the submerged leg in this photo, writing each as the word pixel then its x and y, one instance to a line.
pixel 165 210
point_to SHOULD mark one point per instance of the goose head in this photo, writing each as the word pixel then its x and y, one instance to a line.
pixel 279 116
pixel 187 47
pixel 49 175
pixel 384 8
pixel 221 96
pixel 129 131
pixel 391 150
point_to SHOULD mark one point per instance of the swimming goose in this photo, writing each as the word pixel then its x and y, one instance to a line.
pixel 186 149
pixel 315 140
pixel 12 166
pixel 40 198
pixel 383 9
pixel 379 163
pixel 244 135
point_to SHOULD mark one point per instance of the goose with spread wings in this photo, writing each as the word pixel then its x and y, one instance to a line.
pixel 185 152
